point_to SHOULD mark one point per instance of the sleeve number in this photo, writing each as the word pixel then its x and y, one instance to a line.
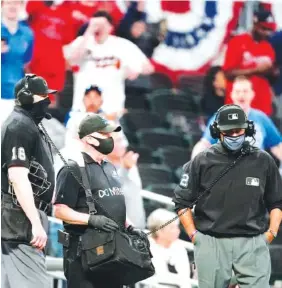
pixel 184 180
pixel 18 153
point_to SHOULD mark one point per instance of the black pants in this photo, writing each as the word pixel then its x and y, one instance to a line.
pixel 77 278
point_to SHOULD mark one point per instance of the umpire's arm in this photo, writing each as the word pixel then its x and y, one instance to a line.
pixel 273 195
pixel 67 190
pixel 185 194
pixel 17 147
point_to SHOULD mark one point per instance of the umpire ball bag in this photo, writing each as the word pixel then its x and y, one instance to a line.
pixel 125 256
pixel 117 253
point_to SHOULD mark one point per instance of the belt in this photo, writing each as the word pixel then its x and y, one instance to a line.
pixel 40 204
pixel 71 243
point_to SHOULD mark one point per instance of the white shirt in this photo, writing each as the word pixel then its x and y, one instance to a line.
pixel 175 255
pixel 105 65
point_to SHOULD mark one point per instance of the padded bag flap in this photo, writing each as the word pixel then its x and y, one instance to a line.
pixel 94 238
pixel 97 247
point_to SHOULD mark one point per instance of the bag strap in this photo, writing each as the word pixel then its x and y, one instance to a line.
pixel 221 175
pixel 90 200
pixel 89 196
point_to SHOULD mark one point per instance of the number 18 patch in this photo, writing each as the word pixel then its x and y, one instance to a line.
pixel 184 181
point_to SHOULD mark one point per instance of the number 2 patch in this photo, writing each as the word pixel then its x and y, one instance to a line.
pixel 18 153
pixel 184 181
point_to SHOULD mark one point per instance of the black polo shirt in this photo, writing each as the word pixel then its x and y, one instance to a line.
pixel 22 142
pixel 105 187
pixel 237 205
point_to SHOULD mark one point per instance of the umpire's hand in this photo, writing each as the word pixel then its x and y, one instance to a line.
pixel 102 223
pixel 39 239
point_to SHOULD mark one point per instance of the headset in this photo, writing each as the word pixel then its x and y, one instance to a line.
pixel 215 132
pixel 24 96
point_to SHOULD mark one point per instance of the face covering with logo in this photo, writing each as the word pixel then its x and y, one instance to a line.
pixel 38 110
pixel 106 146
pixel 233 143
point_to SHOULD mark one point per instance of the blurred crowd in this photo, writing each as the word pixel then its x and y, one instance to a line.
pixel 87 50
pixel 55 35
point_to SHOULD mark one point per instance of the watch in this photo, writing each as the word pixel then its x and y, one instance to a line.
pixel 272 232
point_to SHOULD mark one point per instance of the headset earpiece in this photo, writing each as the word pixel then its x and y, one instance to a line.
pixel 250 130
pixel 214 131
pixel 24 96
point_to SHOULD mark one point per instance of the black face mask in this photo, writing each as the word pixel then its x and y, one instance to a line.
pixel 38 110
pixel 106 146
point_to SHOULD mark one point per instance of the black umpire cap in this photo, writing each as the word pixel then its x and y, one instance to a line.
pixel 96 123
pixel 231 117
pixel 36 85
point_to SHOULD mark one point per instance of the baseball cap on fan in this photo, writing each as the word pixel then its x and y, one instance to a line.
pixel 36 85
pixel 231 117
pixel 265 19
pixel 96 123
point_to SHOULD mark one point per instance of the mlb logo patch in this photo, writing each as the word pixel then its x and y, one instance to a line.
pixel 115 174
pixel 233 116
pixel 251 181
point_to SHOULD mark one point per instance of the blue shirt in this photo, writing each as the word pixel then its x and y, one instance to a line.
pixel 20 48
pixel 267 135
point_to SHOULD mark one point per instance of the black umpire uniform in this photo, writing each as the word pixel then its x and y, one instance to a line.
pixel 231 218
pixel 24 145
pixel 106 187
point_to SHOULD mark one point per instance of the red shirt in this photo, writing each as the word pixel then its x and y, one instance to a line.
pixel 244 52
pixel 52 28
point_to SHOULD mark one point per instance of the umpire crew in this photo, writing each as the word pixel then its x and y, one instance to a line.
pixel 27 187
pixel 71 207
pixel 230 229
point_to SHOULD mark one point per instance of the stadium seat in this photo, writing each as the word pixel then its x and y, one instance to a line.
pixel 154 174
pixel 172 156
pixel 163 101
pixel 139 119
pixel 191 83
pixel 154 138
pixel 136 98
pixel 135 120
pixel 159 81
pixel 162 189
pixel 145 154
pixel 184 121
pixel 142 83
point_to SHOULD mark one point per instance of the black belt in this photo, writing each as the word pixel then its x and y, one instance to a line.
pixel 40 204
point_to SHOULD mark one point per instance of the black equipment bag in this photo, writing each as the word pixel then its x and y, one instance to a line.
pixel 119 253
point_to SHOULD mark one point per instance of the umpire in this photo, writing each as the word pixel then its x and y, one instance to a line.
pixel 71 207
pixel 26 188
pixel 230 229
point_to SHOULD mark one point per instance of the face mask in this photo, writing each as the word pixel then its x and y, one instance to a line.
pixel 106 145
pixel 38 110
pixel 233 143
